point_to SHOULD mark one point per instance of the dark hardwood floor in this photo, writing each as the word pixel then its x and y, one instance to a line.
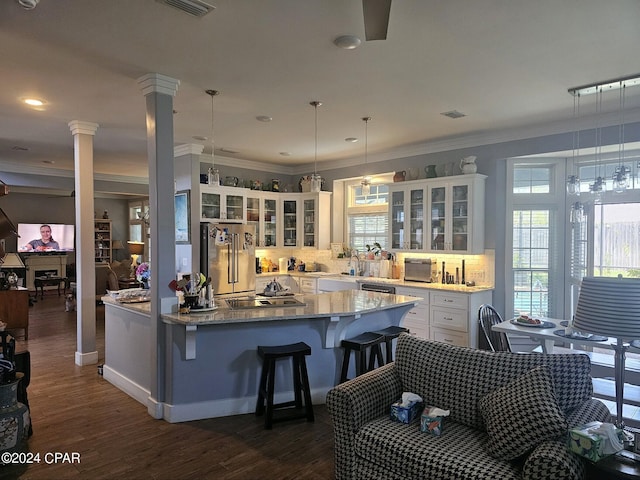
pixel 74 409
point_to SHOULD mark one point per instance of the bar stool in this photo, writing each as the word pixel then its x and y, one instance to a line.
pixel 390 333
pixel 269 355
pixel 364 342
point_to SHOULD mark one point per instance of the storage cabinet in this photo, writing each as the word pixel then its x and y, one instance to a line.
pixel 417 319
pixel 454 316
pixel 14 310
pixel 436 215
pixel 316 207
pixel 290 222
pixel 102 241
pixel 222 203
pixel 262 209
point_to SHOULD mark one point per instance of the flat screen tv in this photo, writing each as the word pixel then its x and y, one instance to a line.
pixel 34 237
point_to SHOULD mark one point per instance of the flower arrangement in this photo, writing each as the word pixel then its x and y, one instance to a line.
pixel 143 272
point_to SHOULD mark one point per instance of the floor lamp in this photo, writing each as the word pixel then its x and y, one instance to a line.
pixel 135 249
pixel 611 306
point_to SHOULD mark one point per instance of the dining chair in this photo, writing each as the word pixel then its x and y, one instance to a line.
pixel 494 341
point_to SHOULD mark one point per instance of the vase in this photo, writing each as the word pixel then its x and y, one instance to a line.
pixel 430 170
pixel 14 418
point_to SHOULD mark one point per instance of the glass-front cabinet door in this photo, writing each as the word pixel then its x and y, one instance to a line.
pixel 396 221
pixel 210 205
pixel 309 213
pixel 235 207
pixel 416 219
pixel 438 218
pixel 290 222
pixel 459 233
pixel 253 216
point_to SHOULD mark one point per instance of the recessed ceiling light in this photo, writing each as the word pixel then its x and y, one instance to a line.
pixel 34 102
pixel 285 154
pixel 50 162
pixel 351 139
pixel 199 137
pixel 347 42
pixel 454 114
pixel 264 118
pixel 228 150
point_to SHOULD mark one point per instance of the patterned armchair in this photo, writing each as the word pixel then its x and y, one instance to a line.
pixel 509 416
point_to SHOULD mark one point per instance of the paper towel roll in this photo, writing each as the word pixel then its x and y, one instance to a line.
pixel 282 265
pixel 385 267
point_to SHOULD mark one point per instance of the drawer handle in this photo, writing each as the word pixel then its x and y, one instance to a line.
pixel 448 300
pixel 448 340
pixel 448 319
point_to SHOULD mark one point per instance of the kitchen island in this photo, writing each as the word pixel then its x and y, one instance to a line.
pixel 211 367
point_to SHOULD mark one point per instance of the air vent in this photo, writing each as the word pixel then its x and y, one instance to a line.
pixel 196 8
pixel 453 114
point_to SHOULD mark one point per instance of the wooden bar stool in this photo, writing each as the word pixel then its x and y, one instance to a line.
pixel 269 355
pixel 363 343
pixel 390 333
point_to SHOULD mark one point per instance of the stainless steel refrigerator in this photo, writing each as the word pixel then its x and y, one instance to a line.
pixel 227 255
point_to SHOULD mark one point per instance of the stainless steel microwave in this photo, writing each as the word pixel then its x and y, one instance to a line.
pixel 418 269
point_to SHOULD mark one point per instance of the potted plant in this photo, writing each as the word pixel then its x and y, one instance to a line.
pixel 373 250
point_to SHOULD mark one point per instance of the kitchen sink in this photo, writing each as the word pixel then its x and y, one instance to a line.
pixel 252 302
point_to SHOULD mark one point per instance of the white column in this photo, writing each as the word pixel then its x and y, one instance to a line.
pixel 159 91
pixel 83 133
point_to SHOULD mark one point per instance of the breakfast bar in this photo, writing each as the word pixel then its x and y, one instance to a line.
pixel 211 368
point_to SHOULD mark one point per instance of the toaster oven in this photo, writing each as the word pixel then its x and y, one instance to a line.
pixel 418 269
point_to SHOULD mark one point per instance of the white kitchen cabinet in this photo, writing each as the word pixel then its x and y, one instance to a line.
pixel 262 211
pixel 308 285
pixel 316 214
pixel 407 216
pixel 335 284
pixel 227 204
pixel 456 214
pixel 454 316
pixel 438 215
pixel 416 319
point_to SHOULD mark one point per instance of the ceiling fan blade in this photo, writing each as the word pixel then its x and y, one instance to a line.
pixel 376 18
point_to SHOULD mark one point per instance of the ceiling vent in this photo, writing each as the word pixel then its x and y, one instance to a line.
pixel 196 8
pixel 453 114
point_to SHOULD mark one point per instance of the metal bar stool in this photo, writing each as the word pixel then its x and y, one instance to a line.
pixel 390 333
pixel 364 342
pixel 269 355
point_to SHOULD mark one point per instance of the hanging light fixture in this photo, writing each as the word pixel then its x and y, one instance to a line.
pixel 316 180
pixel 366 180
pixel 573 181
pixel 620 179
pixel 213 175
pixel 620 174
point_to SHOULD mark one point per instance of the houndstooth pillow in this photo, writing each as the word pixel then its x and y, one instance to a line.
pixel 522 414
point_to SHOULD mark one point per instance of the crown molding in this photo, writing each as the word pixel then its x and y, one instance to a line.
pixel 156 82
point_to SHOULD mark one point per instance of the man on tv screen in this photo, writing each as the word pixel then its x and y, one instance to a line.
pixel 45 243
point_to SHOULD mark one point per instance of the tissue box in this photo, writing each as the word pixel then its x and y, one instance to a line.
pixel 589 445
pixel 429 424
pixel 403 414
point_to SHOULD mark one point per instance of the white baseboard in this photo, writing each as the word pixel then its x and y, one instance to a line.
pixel 83 359
pixel 129 387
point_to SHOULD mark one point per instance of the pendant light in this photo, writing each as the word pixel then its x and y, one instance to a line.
pixel 620 174
pixel 573 181
pixel 598 185
pixel 316 180
pixel 366 180
pixel 213 175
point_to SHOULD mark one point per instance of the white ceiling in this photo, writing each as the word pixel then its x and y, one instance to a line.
pixel 505 64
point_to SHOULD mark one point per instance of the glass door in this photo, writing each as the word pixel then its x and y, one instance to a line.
pixel 290 208
pixel 460 216
pixel 253 216
pixel 416 219
pixel 438 218
pixel 269 222
pixel 397 220
pixel 235 207
pixel 309 216
pixel 210 206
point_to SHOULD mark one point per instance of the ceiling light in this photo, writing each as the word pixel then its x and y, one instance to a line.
pixel 50 162
pixel 196 8
pixel 264 118
pixel 28 4
pixel 351 139
pixel 34 102
pixel 366 180
pixel 316 180
pixel 213 175
pixel 347 42
pixel 285 154
pixel 200 138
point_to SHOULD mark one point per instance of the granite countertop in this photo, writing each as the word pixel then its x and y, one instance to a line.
pixel 333 304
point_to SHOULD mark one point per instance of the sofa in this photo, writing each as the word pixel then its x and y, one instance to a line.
pixel 509 415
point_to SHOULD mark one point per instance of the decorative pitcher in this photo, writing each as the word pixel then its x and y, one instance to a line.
pixel 468 164
pixel 399 176
pixel 430 170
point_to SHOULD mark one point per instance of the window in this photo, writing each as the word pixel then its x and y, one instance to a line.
pixel 367 215
pixel 535 226
pixel 139 224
